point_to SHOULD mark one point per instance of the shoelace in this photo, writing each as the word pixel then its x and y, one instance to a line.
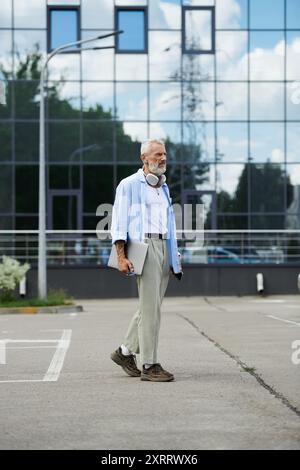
pixel 131 358
pixel 157 368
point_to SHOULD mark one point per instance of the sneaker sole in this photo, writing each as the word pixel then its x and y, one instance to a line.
pixel 158 379
pixel 117 360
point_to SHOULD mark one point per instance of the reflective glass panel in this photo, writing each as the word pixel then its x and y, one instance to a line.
pixel 267 142
pixel 6 51
pixel 131 67
pixel 6 109
pixel 266 14
pixel 165 14
pixel 293 147
pixel 27 141
pixel 266 55
pixel 64 100
pixel 27 43
pixel 97 142
pixel 267 101
pixel 232 187
pixel 232 142
pixel 231 15
pixel 64 67
pixel 293 14
pixel 125 170
pixel 29 14
pixel 97 100
pixel 293 100
pixel 26 99
pixel 64 177
pixel 269 222
pixel 6 223
pixel 232 52
pixel 95 14
pixel 293 55
pixel 131 101
pixel 198 142
pixel 232 103
pixel 130 135
pixel 198 30
pixel 164 55
pixel 6 141
pixel 170 132
pixel 98 64
pixel 64 141
pixel 27 182
pixel 165 101
pixel 27 223
pixel 267 187
pixel 5 17
pixel 198 101
pixel 293 172
pixel 198 67
pixel 233 222
pixel 6 172
pixel 97 186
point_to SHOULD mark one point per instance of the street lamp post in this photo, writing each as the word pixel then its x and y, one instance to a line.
pixel 42 256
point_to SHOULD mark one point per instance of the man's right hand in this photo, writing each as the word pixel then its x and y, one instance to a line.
pixel 125 266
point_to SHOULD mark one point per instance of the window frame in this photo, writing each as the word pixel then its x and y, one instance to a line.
pixel 212 9
pixel 51 8
pixel 144 9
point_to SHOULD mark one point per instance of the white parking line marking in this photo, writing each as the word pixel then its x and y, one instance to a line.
pixel 286 321
pixel 5 341
pixel 57 362
pixel 58 358
pixel 13 381
pixel 31 340
pixel 3 351
pixel 269 301
pixel 73 314
pixel 31 347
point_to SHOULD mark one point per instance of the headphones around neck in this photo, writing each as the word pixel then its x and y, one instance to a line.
pixel 154 180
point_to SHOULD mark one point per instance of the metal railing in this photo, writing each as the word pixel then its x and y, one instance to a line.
pixel 82 247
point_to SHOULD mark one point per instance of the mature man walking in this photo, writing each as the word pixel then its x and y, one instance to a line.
pixel 142 211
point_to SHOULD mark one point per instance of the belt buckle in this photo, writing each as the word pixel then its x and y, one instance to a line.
pixel 157 236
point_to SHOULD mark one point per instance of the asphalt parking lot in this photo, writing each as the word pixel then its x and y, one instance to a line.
pixel 236 363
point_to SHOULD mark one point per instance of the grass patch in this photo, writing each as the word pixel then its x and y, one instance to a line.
pixel 55 297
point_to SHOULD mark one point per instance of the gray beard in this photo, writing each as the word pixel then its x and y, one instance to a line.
pixel 153 167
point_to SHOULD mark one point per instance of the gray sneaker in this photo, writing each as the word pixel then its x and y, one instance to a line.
pixel 128 363
pixel 156 373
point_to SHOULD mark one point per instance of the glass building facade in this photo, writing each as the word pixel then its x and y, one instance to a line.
pixel 219 80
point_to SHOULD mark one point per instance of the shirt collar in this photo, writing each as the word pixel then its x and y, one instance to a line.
pixel 141 175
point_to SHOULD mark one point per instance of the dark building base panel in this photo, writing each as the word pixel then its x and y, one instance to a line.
pixel 91 282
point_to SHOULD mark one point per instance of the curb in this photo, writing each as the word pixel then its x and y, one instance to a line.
pixel 50 309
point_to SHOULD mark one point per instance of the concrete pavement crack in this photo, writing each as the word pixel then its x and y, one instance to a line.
pixel 246 368
pixel 211 304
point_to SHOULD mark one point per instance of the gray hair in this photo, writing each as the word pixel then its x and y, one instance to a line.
pixel 145 147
